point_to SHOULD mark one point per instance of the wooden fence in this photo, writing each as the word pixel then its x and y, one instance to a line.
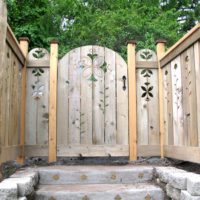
pixel 91 103
pixel 12 62
pixel 181 94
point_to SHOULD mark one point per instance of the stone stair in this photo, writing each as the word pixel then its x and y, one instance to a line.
pixel 97 183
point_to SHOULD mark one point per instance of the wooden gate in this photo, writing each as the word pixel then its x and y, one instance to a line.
pixel 92 103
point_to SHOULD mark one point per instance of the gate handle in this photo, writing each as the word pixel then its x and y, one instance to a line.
pixel 124 82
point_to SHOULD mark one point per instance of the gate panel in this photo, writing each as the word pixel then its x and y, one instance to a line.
pixel 92 110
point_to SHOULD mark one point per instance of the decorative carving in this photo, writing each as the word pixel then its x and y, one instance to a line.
pixel 39 53
pixel 37 90
pixel 92 67
pixel 178 91
pixel 147 88
pixel 37 71
pixel 146 54
pixel 38 57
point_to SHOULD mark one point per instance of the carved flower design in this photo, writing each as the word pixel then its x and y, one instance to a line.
pixel 92 67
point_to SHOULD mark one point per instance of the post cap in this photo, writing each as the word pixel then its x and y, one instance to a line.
pixel 24 39
pixel 160 41
pixel 131 42
pixel 54 42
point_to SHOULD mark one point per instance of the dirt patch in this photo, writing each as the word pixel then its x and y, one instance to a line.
pixel 11 167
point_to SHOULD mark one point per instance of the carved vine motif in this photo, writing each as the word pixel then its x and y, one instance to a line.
pixel 187 77
pixel 147 88
pixel 103 104
pixel 37 90
pixel 146 55
pixel 178 91
pixel 79 122
pixel 38 54
pixel 93 67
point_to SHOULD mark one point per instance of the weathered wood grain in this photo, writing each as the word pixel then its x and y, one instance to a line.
pixel 42 117
pixel 85 96
pixel 197 78
pixel 177 101
pixel 74 97
pixel 189 97
pixel 63 101
pixel 122 101
pixel 153 111
pixel 167 95
pixel 142 111
pixel 110 97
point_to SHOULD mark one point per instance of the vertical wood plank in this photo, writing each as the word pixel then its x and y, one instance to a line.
pixel 132 102
pixel 74 97
pixel 24 47
pixel 8 96
pixel 160 46
pixel 31 109
pixel 3 28
pixel 85 70
pixel 42 117
pixel 197 78
pixel 63 109
pixel 168 122
pixel 11 99
pixel 142 111
pixel 98 95
pixel 52 100
pixel 177 98
pixel 110 98
pixel 189 97
pixel 153 110
pixel 122 100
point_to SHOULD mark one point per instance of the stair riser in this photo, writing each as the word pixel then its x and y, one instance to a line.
pixel 129 195
pixel 99 177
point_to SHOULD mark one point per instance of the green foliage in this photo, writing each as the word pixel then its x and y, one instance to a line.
pixel 107 23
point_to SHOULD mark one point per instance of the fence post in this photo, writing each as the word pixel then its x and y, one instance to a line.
pixel 24 47
pixel 132 100
pixel 160 46
pixel 52 100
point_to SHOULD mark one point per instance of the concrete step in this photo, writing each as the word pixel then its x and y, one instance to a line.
pixel 139 191
pixel 94 175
